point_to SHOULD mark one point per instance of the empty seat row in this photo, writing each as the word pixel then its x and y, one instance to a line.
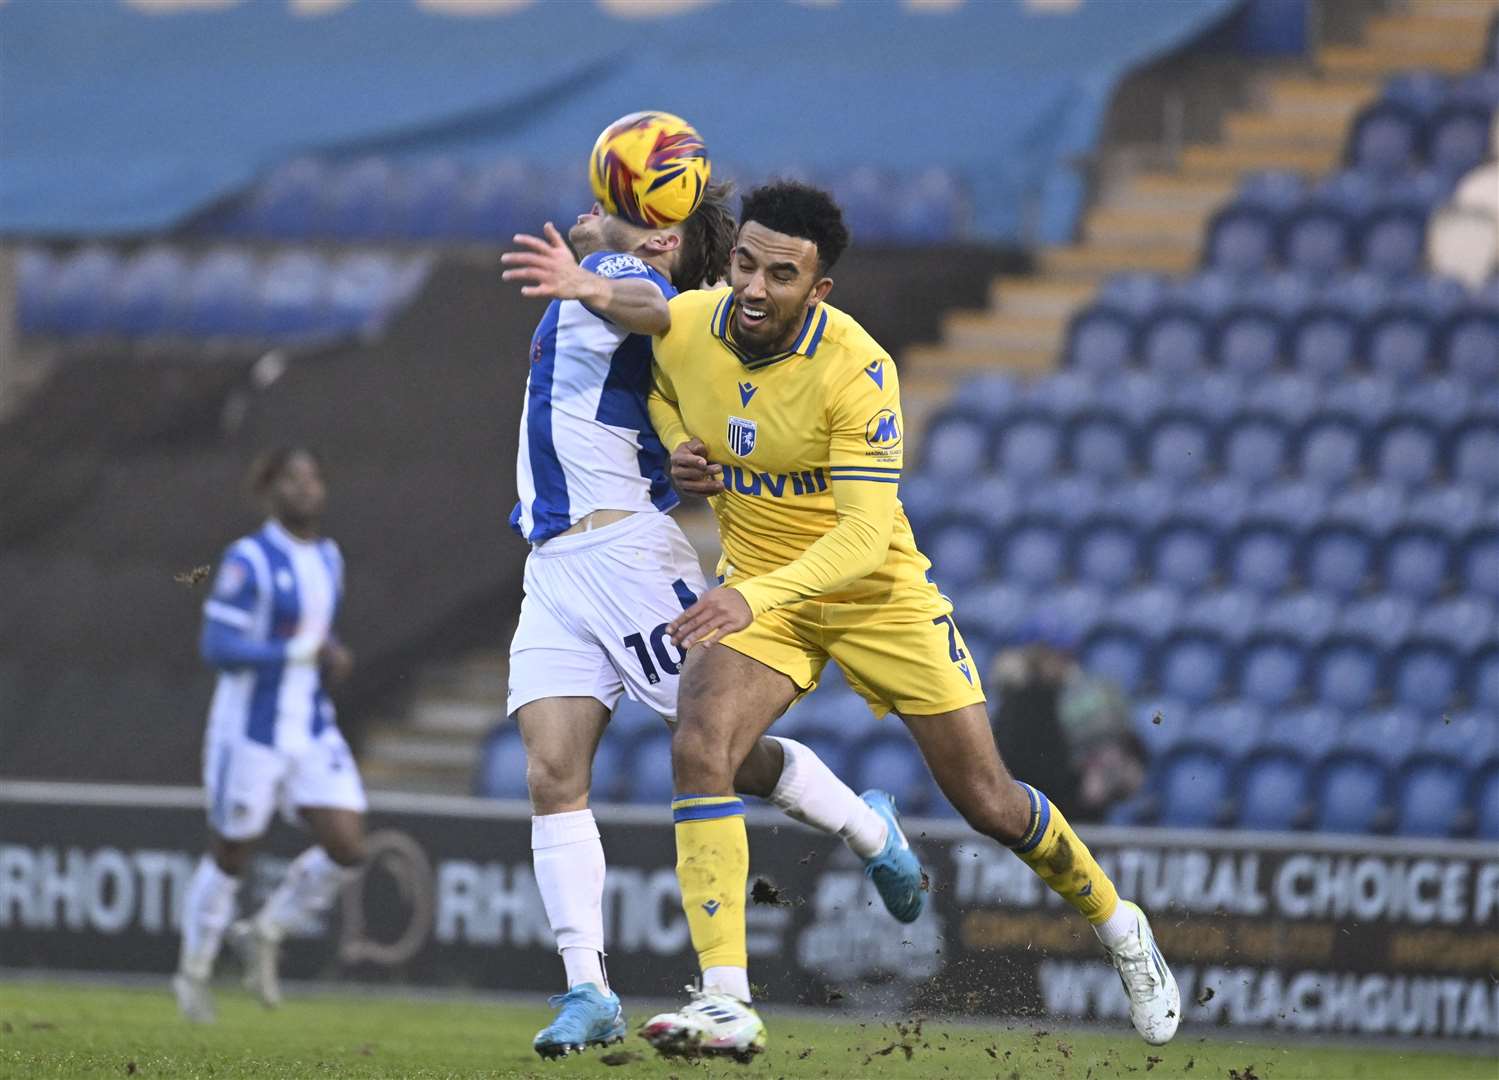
pixel 1389 137
pixel 1322 340
pixel 1317 238
pixel 162 291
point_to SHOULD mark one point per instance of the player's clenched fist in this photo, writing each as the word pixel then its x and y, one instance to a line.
pixel 693 473
pixel 722 611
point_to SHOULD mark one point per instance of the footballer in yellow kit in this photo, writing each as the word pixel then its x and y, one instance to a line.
pixel 811 444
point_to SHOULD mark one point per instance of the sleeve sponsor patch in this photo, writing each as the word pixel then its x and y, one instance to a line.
pixel 883 430
pixel 231 579
pixel 613 266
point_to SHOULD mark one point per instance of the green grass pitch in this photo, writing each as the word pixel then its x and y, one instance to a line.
pixel 52 1030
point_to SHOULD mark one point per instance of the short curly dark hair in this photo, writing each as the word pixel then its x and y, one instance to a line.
pixel 797 209
pixel 268 466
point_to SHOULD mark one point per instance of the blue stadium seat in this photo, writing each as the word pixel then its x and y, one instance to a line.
pixel 1470 345
pixel 1062 396
pixel 1467 736
pixel 1416 563
pixel 893 763
pixel 1247 342
pixel 1299 505
pixel 1308 618
pixel 1429 796
pixel 1230 613
pixel 1240 240
pixel 1421 90
pixel 1033 552
pixel 1437 297
pixel 361 200
pixel 1069 498
pixel 1385 139
pixel 1029 447
pixel 1256 448
pixel 1232 728
pixel 80 290
pixel 1194 786
pixel 1376 508
pixel 1137 293
pixel 1369 399
pixel 955 441
pixel 1385 618
pixel 1291 396
pixel 931 209
pixel 1180 448
pixel 1338 558
pixel 1322 344
pixel 1149 610
pixel 925 498
pixel 502 765
pixel 1285 293
pixel 426 200
pixel 1358 294
pixel 612 765
pixel 1261 555
pixel 1184 553
pixel 1106 552
pixel 291 297
pixel 1485 803
pixel 1330 450
pixel 993 395
pixel 1466 623
pixel 998 610
pixel 1070 613
pixel 1352 192
pixel 632 720
pixel 1454 509
pixel 1117 653
pixel 1481 86
pixel 1192 666
pixel 1392 241
pixel 1146 500
pixel 289 202
pixel 1212 396
pixel 1315 240
pixel 362 290
pixel 1408 452
pixel 1173 343
pixel 1457 138
pixel 1101 444
pixel 221 296
pixel 1099 340
pixel 1310 732
pixel 1347 671
pixel 1139 395
pixel 1421 191
pixel 1209 293
pixel 1437 399
pixel 1479 562
pixel 1475 453
pixel 648 778
pixel 1274 792
pixel 1161 724
pixel 1353 794
pixel 1221 502
pixel 998 500
pixel 1271 669
pixel 961 549
pixel 1399 344
pixel 147 293
pixel 1427 675
pixel 1274 190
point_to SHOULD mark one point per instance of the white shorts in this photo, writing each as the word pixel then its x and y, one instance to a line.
pixel 593 621
pixel 246 781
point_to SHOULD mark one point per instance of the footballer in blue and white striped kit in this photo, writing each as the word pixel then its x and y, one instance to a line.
pixel 609 569
pixel 272 739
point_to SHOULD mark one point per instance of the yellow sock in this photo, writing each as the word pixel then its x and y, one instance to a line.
pixel 713 871
pixel 1063 861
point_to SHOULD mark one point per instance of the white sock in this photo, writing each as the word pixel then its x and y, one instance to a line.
pixel 569 862
pixel 1118 926
pixel 809 792
pixel 310 886
pixel 207 910
pixel 733 981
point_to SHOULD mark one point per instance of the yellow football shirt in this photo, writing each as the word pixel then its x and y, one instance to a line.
pixel 810 441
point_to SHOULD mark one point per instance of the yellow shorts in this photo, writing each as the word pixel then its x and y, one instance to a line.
pixel 905 656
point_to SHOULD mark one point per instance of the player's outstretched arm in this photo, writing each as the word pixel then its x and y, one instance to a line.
pixel 546 268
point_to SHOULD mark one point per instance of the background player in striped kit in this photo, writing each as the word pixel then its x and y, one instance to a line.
pixel 610 568
pixel 272 739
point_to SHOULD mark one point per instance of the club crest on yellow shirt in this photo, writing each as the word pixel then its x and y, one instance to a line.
pixel 741 436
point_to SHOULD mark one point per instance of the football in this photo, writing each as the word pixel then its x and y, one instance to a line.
pixel 650 168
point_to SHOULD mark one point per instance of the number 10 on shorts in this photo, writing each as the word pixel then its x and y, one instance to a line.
pixel 662 648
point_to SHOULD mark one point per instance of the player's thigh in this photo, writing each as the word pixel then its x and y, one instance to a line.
pixel 242 782
pixel 561 736
pixel 323 775
pixel 338 831
pixel 913 662
pixel 551 654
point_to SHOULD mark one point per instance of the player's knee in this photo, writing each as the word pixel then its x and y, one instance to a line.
pixel 699 763
pixel 348 851
pixel 1000 812
pixel 231 856
pixel 555 783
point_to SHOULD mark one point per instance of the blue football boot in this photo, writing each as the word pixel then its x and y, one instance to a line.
pixel 895 871
pixel 585 1018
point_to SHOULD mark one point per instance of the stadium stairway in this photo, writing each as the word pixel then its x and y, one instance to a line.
pixel 1152 220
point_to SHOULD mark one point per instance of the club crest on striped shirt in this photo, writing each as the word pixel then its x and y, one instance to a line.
pixel 741 436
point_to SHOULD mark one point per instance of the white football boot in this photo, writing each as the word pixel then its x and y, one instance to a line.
pixel 710 1024
pixel 261 955
pixel 1154 1001
pixel 194 999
